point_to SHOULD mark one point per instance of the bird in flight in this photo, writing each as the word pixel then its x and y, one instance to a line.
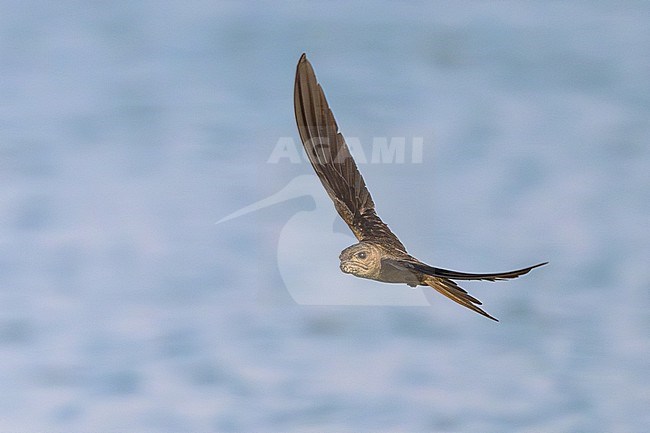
pixel 379 255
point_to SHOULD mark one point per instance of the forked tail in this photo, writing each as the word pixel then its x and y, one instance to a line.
pixel 441 280
pixel 456 293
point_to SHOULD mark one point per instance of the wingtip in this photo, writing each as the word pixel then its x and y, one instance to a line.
pixel 303 63
pixel 524 271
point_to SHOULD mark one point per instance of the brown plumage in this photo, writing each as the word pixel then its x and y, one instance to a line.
pixel 379 255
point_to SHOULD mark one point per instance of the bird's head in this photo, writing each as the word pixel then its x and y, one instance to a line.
pixel 361 260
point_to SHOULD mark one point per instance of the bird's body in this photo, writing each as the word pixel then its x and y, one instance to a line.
pixel 379 255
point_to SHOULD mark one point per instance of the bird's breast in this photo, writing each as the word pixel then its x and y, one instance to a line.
pixel 391 274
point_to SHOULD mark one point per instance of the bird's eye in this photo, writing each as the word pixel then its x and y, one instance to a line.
pixel 362 255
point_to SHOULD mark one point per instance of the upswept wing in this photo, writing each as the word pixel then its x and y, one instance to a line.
pixel 332 161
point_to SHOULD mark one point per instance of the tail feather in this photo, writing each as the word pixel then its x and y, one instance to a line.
pixel 457 294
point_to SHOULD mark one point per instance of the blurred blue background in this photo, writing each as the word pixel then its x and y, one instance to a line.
pixel 128 128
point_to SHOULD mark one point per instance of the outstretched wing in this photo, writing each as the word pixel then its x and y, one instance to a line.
pixel 332 161
pixel 440 279
pixel 455 275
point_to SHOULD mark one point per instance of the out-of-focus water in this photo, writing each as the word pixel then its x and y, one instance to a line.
pixel 128 128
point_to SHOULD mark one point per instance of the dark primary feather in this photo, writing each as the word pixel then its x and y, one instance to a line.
pixel 332 161
pixel 446 273
pixel 440 279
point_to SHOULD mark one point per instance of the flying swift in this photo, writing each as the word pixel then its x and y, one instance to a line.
pixel 379 255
